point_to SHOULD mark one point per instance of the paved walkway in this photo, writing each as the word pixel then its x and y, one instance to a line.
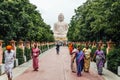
pixel 54 67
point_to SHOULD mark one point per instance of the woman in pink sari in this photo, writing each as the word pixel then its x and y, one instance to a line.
pixel 35 54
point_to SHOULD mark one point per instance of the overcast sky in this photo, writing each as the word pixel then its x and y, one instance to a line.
pixel 50 9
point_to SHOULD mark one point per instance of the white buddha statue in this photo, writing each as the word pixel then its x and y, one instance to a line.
pixel 60 29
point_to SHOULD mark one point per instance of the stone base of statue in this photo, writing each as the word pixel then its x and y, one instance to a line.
pixel 61 40
pixel 15 62
pixel 2 70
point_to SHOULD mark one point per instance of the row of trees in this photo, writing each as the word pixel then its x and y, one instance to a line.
pixel 96 20
pixel 19 19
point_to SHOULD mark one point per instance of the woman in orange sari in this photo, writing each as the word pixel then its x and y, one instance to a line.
pixel 70 46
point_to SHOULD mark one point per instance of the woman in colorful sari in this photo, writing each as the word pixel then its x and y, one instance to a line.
pixel 74 52
pixel 35 54
pixel 100 60
pixel 87 52
pixel 79 61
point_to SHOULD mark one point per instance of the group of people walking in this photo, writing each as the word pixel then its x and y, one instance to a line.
pixel 82 57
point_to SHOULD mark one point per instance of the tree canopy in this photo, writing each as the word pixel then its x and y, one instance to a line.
pixel 19 19
pixel 96 20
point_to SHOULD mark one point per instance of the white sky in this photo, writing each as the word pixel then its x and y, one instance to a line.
pixel 50 9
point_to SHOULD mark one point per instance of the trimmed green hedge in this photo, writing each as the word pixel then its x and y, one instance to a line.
pixel 113 59
pixel 93 51
pixel 3 59
pixel 82 46
pixel 104 50
pixel 50 46
pixel 27 53
pixel 45 47
pixel 19 55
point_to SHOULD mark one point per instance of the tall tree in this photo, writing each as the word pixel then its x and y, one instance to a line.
pixel 96 20
pixel 21 20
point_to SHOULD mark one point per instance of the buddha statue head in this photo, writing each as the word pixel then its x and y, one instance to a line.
pixel 61 17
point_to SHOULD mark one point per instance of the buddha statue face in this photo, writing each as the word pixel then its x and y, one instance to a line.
pixel 61 17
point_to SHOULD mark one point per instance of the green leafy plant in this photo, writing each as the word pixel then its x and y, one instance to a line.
pixel 113 60
pixel 19 55
pixel 3 59
pixel 19 19
pixel 27 53
pixel 104 50
pixel 93 52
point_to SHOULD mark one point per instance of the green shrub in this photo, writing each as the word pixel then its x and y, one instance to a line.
pixel 40 47
pixel 93 51
pixel 44 48
pixel 90 47
pixel 82 47
pixel 104 50
pixel 3 59
pixel 113 59
pixel 27 53
pixel 52 45
pixel 19 55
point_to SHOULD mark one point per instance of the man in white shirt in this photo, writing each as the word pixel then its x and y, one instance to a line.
pixel 9 61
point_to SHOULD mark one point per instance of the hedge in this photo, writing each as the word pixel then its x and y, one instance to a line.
pixel 113 59
pixel 3 59
pixel 19 55
pixel 93 51
pixel 27 53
